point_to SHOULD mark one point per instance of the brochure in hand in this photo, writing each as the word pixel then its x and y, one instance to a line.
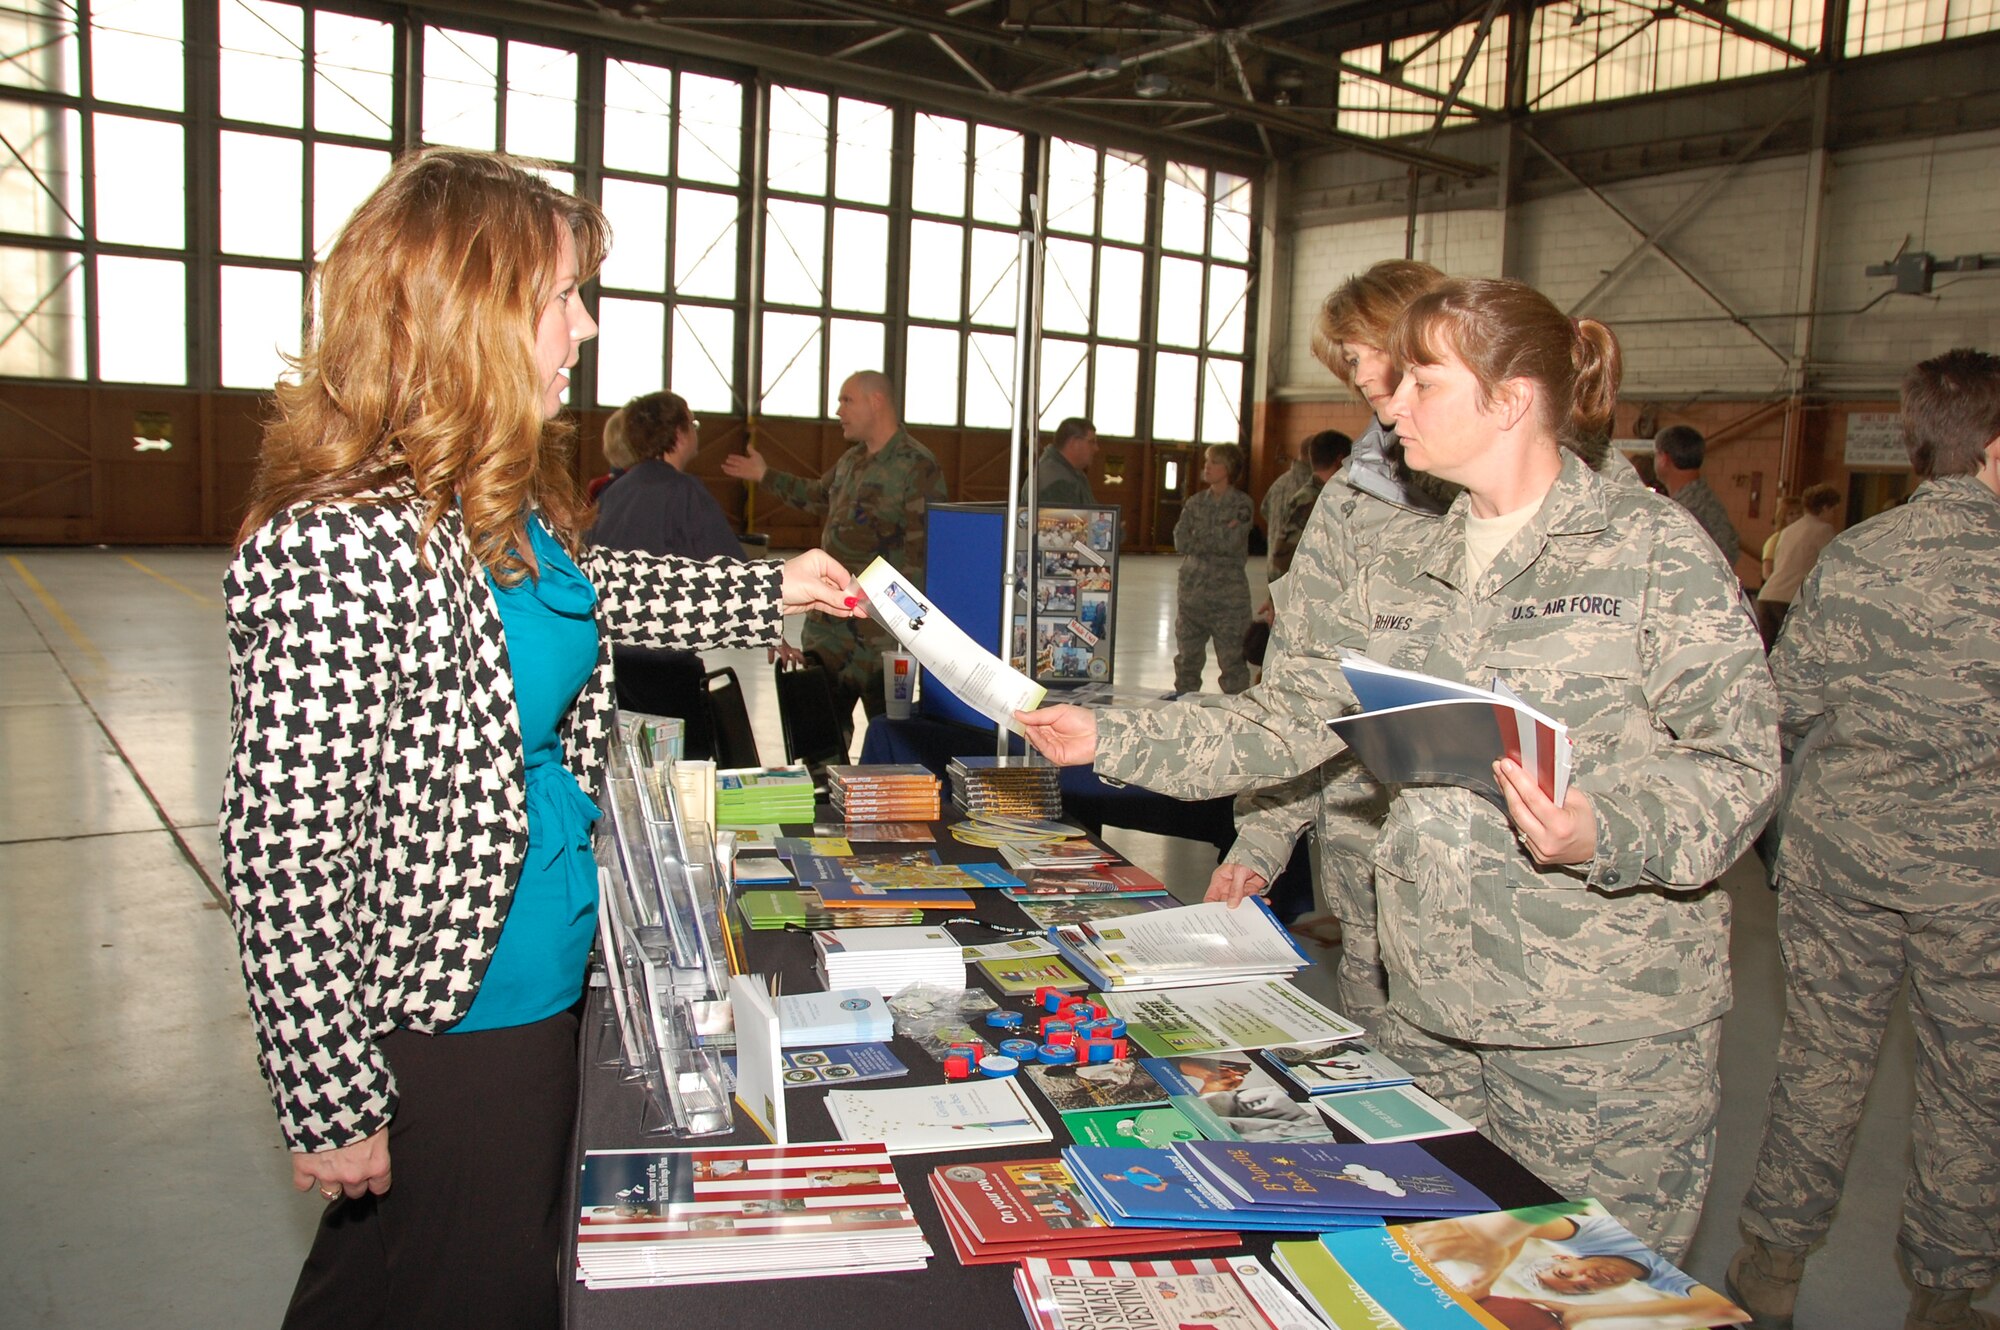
pixel 1509 1267
pixel 949 656
pixel 1416 729
pixel 1008 1211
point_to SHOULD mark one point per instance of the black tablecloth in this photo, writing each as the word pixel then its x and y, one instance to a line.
pixel 944 1294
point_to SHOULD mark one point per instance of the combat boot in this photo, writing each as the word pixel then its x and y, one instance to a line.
pixel 1947 1309
pixel 1763 1279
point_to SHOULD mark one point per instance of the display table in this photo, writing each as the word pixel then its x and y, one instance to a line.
pixel 944 1294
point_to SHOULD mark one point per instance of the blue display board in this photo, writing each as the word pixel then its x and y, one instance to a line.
pixel 963 554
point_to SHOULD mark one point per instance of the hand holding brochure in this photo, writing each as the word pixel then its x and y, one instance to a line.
pixel 980 679
pixel 1415 729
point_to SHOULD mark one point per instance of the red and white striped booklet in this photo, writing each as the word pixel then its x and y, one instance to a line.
pixel 1223 1293
pixel 720 1213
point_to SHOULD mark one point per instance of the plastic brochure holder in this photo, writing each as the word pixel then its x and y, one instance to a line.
pixel 662 932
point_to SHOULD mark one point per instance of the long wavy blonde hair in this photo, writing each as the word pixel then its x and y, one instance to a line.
pixel 420 367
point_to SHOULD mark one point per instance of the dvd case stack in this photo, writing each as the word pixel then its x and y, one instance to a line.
pixel 884 792
pixel 1027 786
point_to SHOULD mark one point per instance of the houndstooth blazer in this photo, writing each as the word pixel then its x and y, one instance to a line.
pixel 374 812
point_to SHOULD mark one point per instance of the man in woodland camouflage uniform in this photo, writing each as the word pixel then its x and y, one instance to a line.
pixel 873 500
pixel 1889 671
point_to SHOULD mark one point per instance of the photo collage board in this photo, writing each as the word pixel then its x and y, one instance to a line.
pixel 1066 595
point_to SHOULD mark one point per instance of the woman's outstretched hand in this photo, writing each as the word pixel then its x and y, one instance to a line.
pixel 816 581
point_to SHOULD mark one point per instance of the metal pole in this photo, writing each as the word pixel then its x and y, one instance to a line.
pixel 753 313
pixel 1024 293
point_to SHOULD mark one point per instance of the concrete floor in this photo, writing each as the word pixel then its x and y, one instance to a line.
pixel 140 1167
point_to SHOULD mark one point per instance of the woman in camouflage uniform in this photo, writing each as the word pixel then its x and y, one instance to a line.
pixel 1557 973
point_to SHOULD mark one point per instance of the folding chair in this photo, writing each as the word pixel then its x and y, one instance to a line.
pixel 729 720
pixel 811 718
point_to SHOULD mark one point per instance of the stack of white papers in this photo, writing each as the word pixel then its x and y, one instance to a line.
pixel 1208 943
pixel 844 1016
pixel 920 1119
pixel 889 960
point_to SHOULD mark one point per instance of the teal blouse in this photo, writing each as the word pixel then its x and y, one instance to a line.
pixel 537 967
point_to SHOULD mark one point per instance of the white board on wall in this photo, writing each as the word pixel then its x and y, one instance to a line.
pixel 1875 442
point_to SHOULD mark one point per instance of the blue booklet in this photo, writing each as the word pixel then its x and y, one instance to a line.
pixel 1157 1189
pixel 1304 1178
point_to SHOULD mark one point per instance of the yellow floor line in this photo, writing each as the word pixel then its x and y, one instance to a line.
pixel 185 590
pixel 60 615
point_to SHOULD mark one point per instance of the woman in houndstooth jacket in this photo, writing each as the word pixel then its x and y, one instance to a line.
pixel 420 666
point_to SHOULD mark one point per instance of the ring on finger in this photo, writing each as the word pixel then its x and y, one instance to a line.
pixel 329 1192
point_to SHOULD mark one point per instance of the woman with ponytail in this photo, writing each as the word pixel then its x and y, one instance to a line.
pixel 1557 972
pixel 421 691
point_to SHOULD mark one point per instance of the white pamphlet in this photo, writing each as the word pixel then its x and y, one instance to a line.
pixel 980 679
pixel 1255 1014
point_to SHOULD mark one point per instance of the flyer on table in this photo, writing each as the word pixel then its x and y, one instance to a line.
pixel 980 679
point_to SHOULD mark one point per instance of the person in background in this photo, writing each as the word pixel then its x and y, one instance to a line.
pixel 1798 547
pixel 1889 671
pixel 1062 475
pixel 1326 450
pixel 420 696
pixel 1557 972
pixel 617 454
pixel 1789 509
pixel 657 507
pixel 873 502
pixel 1212 596
pixel 1677 456
pixel 1278 500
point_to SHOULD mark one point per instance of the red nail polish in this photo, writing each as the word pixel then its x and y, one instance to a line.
pixel 852 601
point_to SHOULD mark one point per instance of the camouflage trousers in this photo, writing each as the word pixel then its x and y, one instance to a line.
pixel 1844 962
pixel 851 650
pixel 1198 619
pixel 1344 879
pixel 1631 1123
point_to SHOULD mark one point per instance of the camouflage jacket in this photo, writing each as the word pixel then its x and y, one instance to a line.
pixel 1291 527
pixel 1706 507
pixel 872 505
pixel 1611 612
pixel 1213 535
pixel 1889 668
pixel 1278 502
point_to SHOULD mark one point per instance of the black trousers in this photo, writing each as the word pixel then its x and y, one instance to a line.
pixel 470 1231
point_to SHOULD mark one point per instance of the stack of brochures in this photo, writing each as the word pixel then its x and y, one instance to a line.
pixel 841 1016
pixel 884 793
pixel 1211 1291
pixel 1014 1209
pixel 716 1214
pixel 1209 943
pixel 1028 786
pixel 925 1119
pixel 889 960
pixel 1510 1267
pixel 1310 1185
pixel 764 794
